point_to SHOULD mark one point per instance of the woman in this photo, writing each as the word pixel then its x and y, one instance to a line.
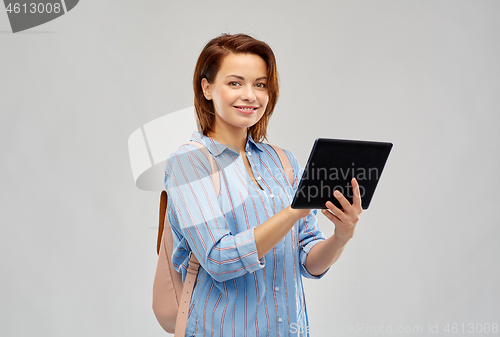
pixel 252 246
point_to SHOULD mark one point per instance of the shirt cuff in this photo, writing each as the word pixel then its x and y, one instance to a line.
pixel 247 249
pixel 303 257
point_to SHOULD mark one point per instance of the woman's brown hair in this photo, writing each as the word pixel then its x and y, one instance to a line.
pixel 208 65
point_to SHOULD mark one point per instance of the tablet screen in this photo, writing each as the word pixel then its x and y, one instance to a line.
pixel 332 164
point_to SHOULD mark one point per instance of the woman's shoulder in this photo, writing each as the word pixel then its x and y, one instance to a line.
pixel 188 155
pixel 187 149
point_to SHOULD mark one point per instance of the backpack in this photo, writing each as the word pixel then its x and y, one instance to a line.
pixel 171 298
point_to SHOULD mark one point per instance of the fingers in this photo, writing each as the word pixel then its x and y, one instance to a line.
pixel 332 217
pixel 348 211
pixel 342 200
pixel 345 219
pixel 356 199
pixel 337 212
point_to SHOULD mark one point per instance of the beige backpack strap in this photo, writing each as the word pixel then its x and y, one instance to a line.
pixel 187 291
pixel 285 162
pixel 167 286
pixel 163 211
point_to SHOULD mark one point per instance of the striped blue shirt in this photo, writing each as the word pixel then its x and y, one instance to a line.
pixel 236 293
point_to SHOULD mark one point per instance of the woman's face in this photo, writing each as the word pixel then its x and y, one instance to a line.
pixel 239 91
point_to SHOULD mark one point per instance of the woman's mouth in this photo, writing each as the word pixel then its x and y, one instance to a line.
pixel 246 109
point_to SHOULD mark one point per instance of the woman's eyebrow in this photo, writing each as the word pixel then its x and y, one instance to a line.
pixel 241 77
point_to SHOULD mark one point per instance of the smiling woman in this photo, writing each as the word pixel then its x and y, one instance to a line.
pixel 253 248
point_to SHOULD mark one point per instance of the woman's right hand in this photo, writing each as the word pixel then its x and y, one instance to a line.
pixel 299 213
pixel 271 231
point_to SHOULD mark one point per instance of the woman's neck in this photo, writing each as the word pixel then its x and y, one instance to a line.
pixel 236 138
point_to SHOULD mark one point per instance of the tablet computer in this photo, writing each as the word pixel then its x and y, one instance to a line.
pixel 331 166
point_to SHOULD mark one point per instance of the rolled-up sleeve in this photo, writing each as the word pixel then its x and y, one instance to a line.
pixel 200 220
pixel 309 236
pixel 309 232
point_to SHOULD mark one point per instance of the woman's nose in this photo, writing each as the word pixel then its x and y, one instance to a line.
pixel 248 94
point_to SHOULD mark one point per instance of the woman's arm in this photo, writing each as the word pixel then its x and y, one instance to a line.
pixel 324 254
pixel 199 220
pixel 327 252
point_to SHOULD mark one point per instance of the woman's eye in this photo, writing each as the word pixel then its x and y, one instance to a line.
pixel 233 84
pixel 261 85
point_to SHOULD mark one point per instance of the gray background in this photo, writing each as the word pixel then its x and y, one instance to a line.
pixel 78 239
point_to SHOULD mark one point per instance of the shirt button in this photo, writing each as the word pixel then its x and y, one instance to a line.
pixel 249 153
pixel 279 319
pixel 271 196
pixel 259 178
pixel 277 288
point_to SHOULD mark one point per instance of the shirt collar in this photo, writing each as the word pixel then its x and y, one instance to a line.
pixel 258 146
pixel 216 148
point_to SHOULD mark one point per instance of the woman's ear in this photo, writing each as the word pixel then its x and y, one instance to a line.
pixel 205 86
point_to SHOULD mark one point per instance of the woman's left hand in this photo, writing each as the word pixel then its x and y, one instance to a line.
pixel 345 219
